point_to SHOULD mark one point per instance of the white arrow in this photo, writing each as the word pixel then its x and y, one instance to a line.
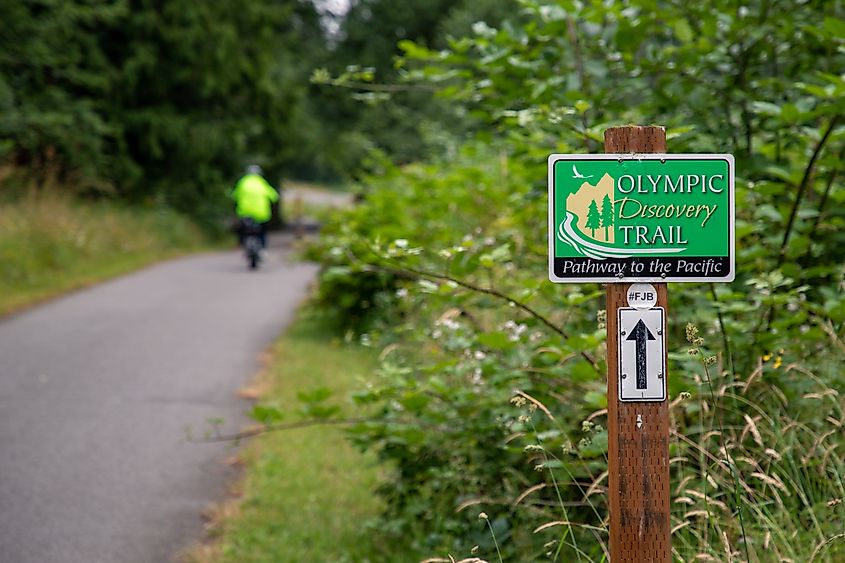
pixel 639 421
pixel 578 174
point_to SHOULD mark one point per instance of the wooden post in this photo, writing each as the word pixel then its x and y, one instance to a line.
pixel 638 478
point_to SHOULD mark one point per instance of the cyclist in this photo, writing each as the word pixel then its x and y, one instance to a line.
pixel 254 198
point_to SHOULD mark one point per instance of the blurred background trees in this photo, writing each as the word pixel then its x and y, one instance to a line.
pixel 152 100
pixel 166 101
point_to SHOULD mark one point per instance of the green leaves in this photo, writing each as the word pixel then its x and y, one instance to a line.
pixel 497 396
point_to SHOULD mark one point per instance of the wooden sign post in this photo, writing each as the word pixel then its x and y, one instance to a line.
pixel 638 432
pixel 636 218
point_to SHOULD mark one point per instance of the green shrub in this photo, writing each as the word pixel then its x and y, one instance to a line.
pixel 492 386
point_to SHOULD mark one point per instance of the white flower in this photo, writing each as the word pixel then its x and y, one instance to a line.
pixel 401 293
pixel 401 243
pixel 479 355
pixel 476 377
pixel 450 324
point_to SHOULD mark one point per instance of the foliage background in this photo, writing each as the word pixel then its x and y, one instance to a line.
pixel 491 391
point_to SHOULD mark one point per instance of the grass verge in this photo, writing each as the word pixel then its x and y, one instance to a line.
pixel 306 493
pixel 52 244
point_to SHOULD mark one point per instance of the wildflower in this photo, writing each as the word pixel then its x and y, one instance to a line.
pixel 476 377
pixel 566 447
pixel 482 516
pixel 692 351
pixel 401 243
pixel 778 362
pixel 767 357
pixel 449 323
pixel 401 293
pixel 533 448
pixel 586 426
pixel 479 355
pixel 516 330
pixel 834 502
pixel 518 401
pixel 692 332
pixel 584 442
pixel 684 395
pixel 539 467
pixel 709 360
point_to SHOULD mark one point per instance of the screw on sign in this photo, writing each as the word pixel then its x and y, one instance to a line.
pixel 630 218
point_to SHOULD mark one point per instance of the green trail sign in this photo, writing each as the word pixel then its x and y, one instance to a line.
pixel 641 217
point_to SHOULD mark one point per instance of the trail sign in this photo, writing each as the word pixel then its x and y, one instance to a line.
pixel 642 358
pixel 641 217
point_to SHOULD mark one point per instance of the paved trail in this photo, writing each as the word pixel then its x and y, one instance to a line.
pixel 97 390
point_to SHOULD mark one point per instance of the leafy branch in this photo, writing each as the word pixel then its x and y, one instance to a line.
pixel 266 428
pixel 408 271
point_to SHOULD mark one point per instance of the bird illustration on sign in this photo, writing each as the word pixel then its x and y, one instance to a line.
pixel 577 175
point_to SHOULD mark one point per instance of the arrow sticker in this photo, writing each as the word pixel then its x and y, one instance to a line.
pixel 642 356
pixel 640 335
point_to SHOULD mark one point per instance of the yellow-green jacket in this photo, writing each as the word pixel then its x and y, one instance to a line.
pixel 254 198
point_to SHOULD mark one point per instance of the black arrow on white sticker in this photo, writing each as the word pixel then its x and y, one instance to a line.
pixel 641 334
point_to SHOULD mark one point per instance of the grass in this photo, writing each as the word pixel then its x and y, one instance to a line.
pixel 52 244
pixel 306 493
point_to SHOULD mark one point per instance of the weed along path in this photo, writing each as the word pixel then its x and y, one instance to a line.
pixel 98 389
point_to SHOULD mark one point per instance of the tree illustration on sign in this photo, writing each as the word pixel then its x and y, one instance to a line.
pixel 593 218
pixel 606 215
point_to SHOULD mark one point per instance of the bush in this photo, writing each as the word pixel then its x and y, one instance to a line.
pixel 492 388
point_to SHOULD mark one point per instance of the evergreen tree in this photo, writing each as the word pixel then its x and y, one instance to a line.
pixel 593 218
pixel 606 215
pixel 157 101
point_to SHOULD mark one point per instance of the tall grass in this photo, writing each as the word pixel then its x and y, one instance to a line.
pixel 50 244
pixel 307 494
pixel 756 465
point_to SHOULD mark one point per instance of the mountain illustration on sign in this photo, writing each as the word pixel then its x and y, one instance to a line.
pixel 589 225
pixel 593 205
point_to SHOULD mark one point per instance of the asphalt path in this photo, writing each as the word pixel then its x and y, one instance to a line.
pixel 98 391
